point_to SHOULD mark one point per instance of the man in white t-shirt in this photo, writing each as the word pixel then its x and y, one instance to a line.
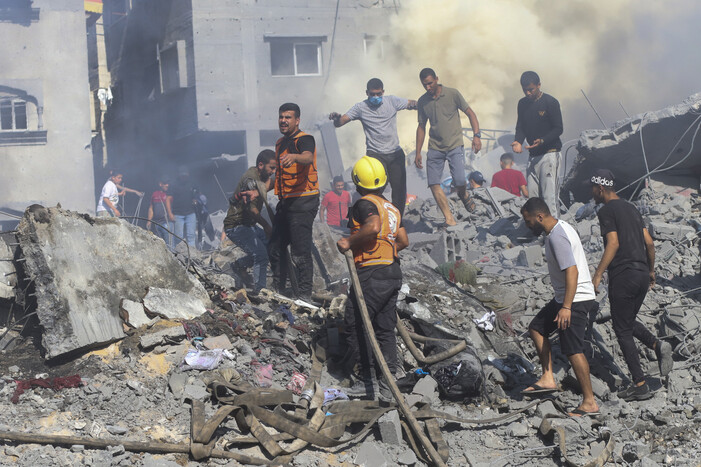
pixel 569 310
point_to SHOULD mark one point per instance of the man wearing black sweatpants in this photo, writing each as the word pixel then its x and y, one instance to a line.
pixel 629 257
pixel 376 238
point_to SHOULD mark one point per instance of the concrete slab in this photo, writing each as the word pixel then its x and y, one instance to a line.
pixel 390 428
pixel 83 267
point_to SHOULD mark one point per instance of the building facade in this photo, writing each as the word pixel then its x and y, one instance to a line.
pixel 45 139
pixel 193 80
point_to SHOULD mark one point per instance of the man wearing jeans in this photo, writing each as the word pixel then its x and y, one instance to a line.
pixel 441 106
pixel 540 122
pixel 159 212
pixel 244 217
pixel 378 114
pixel 183 207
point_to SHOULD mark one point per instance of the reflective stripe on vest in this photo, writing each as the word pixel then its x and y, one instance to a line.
pixel 296 180
pixel 382 249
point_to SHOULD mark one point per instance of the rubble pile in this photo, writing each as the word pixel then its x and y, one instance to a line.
pixel 192 346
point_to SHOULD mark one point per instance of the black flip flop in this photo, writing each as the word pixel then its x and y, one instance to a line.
pixel 581 413
pixel 538 389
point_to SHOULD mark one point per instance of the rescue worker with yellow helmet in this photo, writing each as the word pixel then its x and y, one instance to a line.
pixel 376 238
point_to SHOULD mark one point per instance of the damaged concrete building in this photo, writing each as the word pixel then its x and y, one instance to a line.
pixel 193 80
pixel 44 107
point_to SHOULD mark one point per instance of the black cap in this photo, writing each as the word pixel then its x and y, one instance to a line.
pixel 476 176
pixel 603 177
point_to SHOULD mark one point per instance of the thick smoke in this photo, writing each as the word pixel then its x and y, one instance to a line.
pixel 481 47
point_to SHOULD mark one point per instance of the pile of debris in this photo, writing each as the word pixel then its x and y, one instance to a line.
pixel 119 352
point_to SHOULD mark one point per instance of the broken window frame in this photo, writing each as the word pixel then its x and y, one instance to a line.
pixel 371 44
pixel 14 115
pixel 296 42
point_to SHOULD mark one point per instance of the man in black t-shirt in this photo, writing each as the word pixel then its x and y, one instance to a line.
pixel 376 237
pixel 629 257
pixel 297 187
pixel 182 206
pixel 540 122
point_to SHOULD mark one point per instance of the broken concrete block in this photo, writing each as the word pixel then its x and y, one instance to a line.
pixel 665 252
pixel 177 382
pixel 427 387
pixel 518 430
pixel 172 304
pixel 407 457
pixel 172 332
pixel 663 231
pixel 133 313
pixel 512 253
pixel 82 267
pixel 531 256
pixel 370 455
pixel 501 227
pixel 218 342
pixel 390 428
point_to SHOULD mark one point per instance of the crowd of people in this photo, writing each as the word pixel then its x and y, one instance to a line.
pixel 370 226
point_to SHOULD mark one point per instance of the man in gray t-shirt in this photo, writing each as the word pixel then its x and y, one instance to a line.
pixel 378 114
pixel 441 106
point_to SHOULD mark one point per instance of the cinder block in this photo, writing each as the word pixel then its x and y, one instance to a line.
pixel 390 428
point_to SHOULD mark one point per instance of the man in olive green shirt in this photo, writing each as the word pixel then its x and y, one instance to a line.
pixel 441 107
pixel 244 216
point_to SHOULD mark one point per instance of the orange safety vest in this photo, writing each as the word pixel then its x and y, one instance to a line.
pixel 296 180
pixel 383 249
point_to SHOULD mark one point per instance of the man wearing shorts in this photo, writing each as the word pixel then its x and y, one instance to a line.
pixel 569 310
pixel 441 106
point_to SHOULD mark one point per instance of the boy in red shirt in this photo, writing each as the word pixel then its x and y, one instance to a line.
pixel 334 206
pixel 509 179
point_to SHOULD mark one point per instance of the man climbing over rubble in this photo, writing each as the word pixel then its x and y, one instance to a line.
pixel 376 238
pixel 568 311
pixel 629 258
pixel 508 178
pixel 244 217
pixel 540 122
pixel 297 187
pixel 441 107
pixel 378 114
pixel 109 197
pixel 159 212
pixel 334 206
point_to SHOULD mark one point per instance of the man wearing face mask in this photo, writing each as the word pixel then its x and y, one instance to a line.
pixel 378 114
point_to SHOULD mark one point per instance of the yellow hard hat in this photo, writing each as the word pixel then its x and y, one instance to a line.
pixel 369 173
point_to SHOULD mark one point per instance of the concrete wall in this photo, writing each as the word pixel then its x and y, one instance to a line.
pixel 235 85
pixel 59 170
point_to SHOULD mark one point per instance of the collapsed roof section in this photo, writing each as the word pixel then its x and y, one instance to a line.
pixel 665 144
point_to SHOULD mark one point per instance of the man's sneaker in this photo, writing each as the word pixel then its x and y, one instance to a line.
pixel 366 387
pixel 663 350
pixel 385 394
pixel 635 393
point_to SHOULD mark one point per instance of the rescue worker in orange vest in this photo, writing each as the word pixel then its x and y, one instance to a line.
pixel 376 237
pixel 297 188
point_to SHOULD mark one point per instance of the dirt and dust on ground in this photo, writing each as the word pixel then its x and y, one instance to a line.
pixel 117 351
